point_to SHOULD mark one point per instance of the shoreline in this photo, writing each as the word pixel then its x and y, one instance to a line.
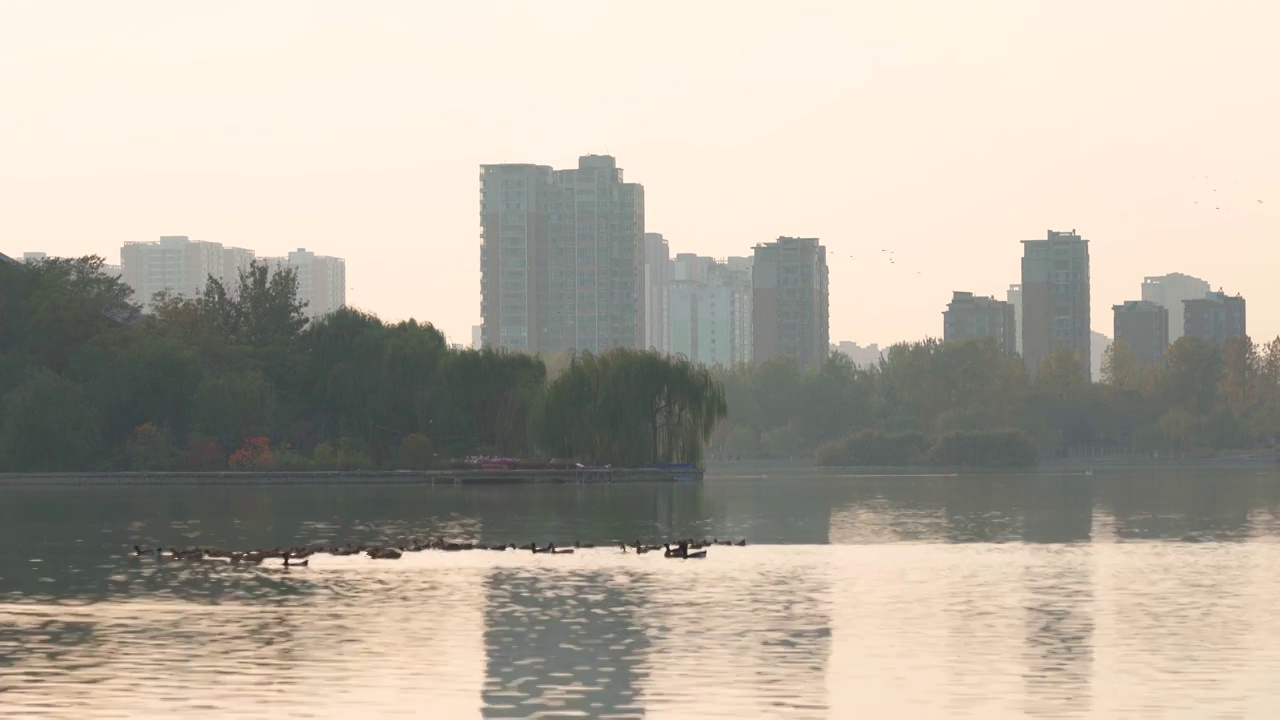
pixel 577 476
pixel 1055 465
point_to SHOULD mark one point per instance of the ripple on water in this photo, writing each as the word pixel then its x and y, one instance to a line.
pixel 978 631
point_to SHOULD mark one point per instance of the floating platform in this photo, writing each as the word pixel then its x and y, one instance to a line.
pixel 571 476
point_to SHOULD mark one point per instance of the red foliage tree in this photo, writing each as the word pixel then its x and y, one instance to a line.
pixel 254 454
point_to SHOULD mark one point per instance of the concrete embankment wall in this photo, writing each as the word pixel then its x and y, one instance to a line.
pixel 357 477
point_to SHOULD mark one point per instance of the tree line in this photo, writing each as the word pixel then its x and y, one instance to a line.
pixel 238 378
pixel 967 403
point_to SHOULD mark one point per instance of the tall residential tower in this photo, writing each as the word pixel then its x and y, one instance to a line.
pixel 969 317
pixel 1216 317
pixel 322 280
pixel 561 257
pixel 178 265
pixel 657 293
pixel 1055 298
pixel 1169 291
pixel 1143 326
pixel 710 309
pixel 789 301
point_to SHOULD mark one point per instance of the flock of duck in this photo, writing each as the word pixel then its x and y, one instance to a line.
pixel 685 549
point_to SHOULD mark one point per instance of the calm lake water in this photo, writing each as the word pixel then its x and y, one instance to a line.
pixel 1153 594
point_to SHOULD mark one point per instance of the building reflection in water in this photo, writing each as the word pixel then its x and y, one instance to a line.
pixel 761 619
pixel 1188 505
pixel 562 642
pixel 1059 635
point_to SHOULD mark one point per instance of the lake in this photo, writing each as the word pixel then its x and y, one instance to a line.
pixel 1117 594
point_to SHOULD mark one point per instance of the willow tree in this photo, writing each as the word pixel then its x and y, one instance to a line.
pixel 630 407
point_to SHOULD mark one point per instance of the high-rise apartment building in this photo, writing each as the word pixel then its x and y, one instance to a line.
pixel 234 262
pixel 34 257
pixel 1143 326
pixel 1014 297
pixel 789 301
pixel 1216 317
pixel 710 309
pixel 1169 291
pixel 738 274
pixel 174 264
pixel 322 280
pixel 562 257
pixel 657 290
pixel 1055 298
pixel 969 317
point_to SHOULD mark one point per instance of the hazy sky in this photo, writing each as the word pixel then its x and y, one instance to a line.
pixel 946 131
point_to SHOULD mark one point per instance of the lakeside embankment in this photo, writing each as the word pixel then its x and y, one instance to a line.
pixel 753 468
pixel 576 476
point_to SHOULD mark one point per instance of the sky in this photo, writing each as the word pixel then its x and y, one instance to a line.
pixel 942 131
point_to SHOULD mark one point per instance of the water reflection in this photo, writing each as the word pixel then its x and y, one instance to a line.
pixel 562 643
pixel 1059 633
pixel 996 596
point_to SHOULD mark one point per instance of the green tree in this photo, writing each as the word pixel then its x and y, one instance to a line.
pixel 263 311
pixel 1241 378
pixel 54 307
pixel 45 425
pixel 1061 376
pixel 631 407
pixel 1192 376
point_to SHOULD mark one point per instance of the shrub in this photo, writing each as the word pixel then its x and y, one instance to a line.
pixel 874 448
pixel 205 454
pixel 984 448
pixel 254 454
pixel 149 448
pixel 415 452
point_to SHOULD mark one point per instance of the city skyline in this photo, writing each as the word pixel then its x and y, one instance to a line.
pixel 1158 147
pixel 332 297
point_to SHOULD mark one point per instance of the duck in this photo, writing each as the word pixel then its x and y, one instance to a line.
pixel 682 552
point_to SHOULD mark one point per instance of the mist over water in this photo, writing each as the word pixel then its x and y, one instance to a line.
pixel 1119 594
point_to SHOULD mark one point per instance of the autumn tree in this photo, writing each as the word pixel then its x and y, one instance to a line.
pixel 1120 367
